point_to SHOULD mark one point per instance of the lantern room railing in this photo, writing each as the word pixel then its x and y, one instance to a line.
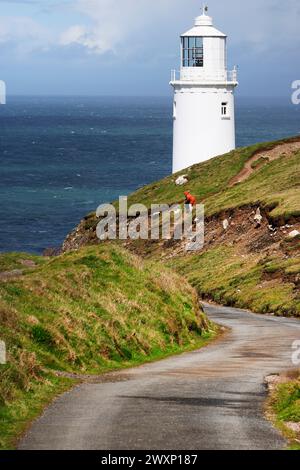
pixel 228 76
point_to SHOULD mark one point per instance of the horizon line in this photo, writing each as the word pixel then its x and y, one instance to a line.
pixel 70 95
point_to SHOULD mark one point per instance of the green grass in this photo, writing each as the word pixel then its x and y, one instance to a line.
pixel 284 403
pixel 87 312
pixel 227 278
pixel 15 261
pixel 274 185
pixel 287 405
pixel 16 416
pixel 227 273
pixel 259 163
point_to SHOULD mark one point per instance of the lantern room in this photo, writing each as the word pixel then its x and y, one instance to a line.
pixel 203 50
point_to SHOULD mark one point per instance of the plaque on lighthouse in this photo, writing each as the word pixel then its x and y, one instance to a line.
pixel 203 114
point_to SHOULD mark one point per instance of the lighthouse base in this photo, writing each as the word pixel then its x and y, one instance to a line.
pixel 204 122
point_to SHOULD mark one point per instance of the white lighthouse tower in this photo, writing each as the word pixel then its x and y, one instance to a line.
pixel 204 122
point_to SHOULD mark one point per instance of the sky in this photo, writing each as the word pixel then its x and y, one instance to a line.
pixel 128 47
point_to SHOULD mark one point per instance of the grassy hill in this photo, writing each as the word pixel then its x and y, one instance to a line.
pixel 274 185
pixel 246 265
pixel 85 312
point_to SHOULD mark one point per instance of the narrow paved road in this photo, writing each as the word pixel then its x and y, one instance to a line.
pixel 208 399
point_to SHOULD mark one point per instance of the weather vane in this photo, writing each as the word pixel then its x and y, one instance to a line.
pixel 204 9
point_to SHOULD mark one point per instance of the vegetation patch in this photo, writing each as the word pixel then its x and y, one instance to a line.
pixel 284 406
pixel 87 312
pixel 259 163
pixel 275 185
pixel 19 261
pixel 223 276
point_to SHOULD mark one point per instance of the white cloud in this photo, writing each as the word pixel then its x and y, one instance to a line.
pixel 90 38
pixel 74 34
pixel 18 28
pixel 24 34
pixel 124 26
pixel 149 28
pixel 111 23
pixel 264 25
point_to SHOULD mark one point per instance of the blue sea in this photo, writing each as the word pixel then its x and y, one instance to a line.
pixel 62 157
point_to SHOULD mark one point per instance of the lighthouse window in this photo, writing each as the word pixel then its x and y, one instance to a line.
pixel 224 110
pixel 192 52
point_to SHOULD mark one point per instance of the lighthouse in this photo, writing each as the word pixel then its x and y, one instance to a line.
pixel 203 108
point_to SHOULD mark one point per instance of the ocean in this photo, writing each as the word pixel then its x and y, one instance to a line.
pixel 63 156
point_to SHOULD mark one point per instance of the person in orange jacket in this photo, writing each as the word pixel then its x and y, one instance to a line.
pixel 190 201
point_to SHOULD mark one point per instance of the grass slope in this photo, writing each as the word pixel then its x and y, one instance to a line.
pixel 232 279
pixel 95 310
pixel 275 185
pixel 264 278
pixel 284 408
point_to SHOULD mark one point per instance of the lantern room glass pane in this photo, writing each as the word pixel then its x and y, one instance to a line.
pixel 192 42
pixel 199 42
pixel 192 52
